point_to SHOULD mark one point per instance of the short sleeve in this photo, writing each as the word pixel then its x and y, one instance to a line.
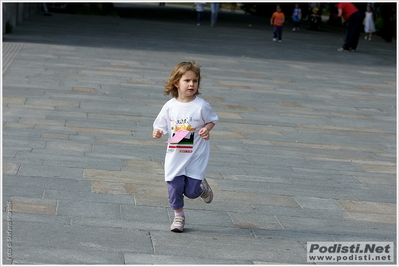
pixel 209 114
pixel 161 121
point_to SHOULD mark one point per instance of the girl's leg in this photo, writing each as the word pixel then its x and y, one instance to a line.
pixel 176 191
pixel 192 188
pixel 196 188
pixel 176 201
pixel 280 32
pixel 274 32
pixel 370 36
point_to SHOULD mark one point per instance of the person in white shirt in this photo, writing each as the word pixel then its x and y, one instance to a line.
pixel 199 7
pixel 186 160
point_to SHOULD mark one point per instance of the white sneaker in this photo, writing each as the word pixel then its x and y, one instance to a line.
pixel 279 41
pixel 178 224
pixel 207 194
pixel 274 39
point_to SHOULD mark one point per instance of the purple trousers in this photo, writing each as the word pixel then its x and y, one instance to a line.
pixel 277 32
pixel 183 186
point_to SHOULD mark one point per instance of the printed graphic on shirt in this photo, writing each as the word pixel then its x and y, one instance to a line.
pixel 187 143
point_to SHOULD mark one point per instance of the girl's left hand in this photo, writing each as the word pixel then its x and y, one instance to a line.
pixel 204 133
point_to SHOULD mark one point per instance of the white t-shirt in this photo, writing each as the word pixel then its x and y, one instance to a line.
pixel 190 156
pixel 200 6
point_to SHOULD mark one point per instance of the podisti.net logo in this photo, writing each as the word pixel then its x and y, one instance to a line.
pixel 372 252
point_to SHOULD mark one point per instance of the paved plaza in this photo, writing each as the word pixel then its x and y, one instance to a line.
pixel 305 149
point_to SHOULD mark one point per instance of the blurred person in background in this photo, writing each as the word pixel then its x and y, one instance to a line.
pixel 353 20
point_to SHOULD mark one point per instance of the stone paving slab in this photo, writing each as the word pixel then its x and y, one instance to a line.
pixel 135 259
pixel 305 149
pixel 35 255
pixel 32 205
pixel 221 247
pixel 81 237
pixel 83 196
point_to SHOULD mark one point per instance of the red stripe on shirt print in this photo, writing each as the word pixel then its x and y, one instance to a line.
pixel 179 146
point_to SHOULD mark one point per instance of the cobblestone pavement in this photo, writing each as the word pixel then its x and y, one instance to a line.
pixel 305 149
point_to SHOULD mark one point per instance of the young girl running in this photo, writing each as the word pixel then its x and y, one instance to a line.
pixel 191 117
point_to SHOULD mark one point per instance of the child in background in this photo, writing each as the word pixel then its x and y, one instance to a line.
pixel 296 17
pixel 369 26
pixel 277 21
pixel 315 19
pixel 186 160
pixel 199 7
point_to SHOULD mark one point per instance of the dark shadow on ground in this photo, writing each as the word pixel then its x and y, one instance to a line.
pixel 149 27
pixel 184 14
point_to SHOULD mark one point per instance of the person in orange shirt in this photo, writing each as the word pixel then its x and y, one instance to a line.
pixel 277 21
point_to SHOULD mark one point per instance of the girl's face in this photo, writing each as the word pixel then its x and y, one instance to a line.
pixel 187 86
pixel 368 9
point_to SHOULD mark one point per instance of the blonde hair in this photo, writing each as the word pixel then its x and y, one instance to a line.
pixel 177 73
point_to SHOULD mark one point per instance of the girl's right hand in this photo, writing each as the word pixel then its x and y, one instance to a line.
pixel 156 134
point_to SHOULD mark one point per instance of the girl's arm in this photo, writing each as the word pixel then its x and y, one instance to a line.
pixel 204 132
pixel 209 126
pixel 160 125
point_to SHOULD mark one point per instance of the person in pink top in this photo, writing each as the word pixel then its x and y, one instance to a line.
pixel 353 20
